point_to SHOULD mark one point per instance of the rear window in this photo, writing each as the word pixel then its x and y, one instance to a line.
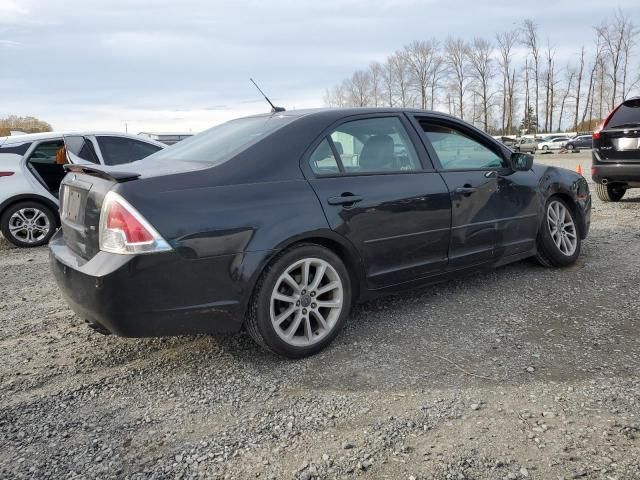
pixel 223 141
pixel 19 149
pixel 627 114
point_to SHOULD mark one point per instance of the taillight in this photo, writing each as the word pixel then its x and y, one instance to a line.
pixel 6 174
pixel 123 230
pixel 596 133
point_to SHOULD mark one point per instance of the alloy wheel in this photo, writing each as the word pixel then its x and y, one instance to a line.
pixel 29 225
pixel 562 228
pixel 306 302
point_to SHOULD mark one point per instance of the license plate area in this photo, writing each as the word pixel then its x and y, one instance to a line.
pixel 71 204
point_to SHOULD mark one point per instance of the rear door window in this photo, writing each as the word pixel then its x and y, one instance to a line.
pixel 119 150
pixel 323 161
pixel 375 145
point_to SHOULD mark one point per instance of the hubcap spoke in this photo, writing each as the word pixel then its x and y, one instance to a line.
pixel 562 228
pixel 304 288
pixel 328 287
pixel 318 276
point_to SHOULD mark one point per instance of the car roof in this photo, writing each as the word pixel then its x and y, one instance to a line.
pixel 32 137
pixel 341 112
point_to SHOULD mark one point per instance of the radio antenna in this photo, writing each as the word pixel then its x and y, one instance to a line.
pixel 274 109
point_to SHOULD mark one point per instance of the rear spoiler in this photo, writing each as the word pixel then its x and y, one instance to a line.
pixel 107 174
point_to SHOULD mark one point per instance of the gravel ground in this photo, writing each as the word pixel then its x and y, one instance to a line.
pixel 523 372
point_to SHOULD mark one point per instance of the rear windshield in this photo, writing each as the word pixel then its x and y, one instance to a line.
pixel 628 113
pixel 223 141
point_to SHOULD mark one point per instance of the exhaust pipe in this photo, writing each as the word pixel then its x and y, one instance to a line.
pixel 604 181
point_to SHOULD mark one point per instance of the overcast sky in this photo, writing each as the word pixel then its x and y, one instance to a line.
pixel 184 64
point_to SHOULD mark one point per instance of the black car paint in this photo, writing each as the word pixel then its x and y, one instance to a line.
pixel 227 222
pixel 616 149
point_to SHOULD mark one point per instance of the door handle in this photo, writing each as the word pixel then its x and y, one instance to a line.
pixel 345 199
pixel 466 190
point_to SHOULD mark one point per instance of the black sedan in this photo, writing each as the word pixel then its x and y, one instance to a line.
pixel 278 223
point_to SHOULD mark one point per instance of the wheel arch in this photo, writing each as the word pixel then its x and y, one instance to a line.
pixel 33 197
pixel 331 241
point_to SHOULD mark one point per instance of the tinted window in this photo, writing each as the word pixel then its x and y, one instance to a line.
pixel 457 151
pixel 375 145
pixel 628 113
pixel 82 149
pixel 220 143
pixel 118 150
pixel 322 160
pixel 15 149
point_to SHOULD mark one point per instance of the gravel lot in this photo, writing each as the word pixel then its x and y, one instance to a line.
pixel 524 372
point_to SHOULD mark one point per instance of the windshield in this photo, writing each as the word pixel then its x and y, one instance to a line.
pixel 219 143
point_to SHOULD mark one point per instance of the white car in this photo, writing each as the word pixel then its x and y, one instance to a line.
pixel 30 176
pixel 553 144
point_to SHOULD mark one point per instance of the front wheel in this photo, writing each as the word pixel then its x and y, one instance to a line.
pixel 545 147
pixel 559 239
pixel 609 193
pixel 569 147
pixel 301 302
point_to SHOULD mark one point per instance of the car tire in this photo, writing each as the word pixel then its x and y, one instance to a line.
pixel 609 193
pixel 28 224
pixel 556 249
pixel 545 147
pixel 569 147
pixel 284 318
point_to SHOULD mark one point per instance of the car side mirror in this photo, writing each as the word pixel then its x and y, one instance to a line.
pixel 521 162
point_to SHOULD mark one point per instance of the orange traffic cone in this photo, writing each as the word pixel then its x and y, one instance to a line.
pixel 579 169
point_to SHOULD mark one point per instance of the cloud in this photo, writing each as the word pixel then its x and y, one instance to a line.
pixel 11 11
pixel 153 62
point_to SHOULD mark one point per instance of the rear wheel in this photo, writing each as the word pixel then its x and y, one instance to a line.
pixel 545 147
pixel 559 239
pixel 301 302
pixel 28 224
pixel 610 193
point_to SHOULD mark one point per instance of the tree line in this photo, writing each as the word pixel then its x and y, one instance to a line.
pixel 492 84
pixel 22 124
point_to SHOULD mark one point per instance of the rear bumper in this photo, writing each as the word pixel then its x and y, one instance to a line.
pixel 155 295
pixel 628 173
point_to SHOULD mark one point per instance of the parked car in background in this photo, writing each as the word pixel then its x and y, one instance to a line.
pixel 580 141
pixel 31 169
pixel 527 145
pixel 278 223
pixel 554 144
pixel 616 152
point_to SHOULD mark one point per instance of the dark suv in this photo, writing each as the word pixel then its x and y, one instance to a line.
pixel 616 152
pixel 579 141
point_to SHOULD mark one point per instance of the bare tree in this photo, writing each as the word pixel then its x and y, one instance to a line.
pixel 480 59
pixel 376 74
pixel 506 43
pixel 530 40
pixel 457 60
pixel 614 35
pixel 549 87
pixel 402 75
pixel 578 87
pixel 438 71
pixel 388 80
pixel 360 88
pixel 419 57
pixel 567 91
